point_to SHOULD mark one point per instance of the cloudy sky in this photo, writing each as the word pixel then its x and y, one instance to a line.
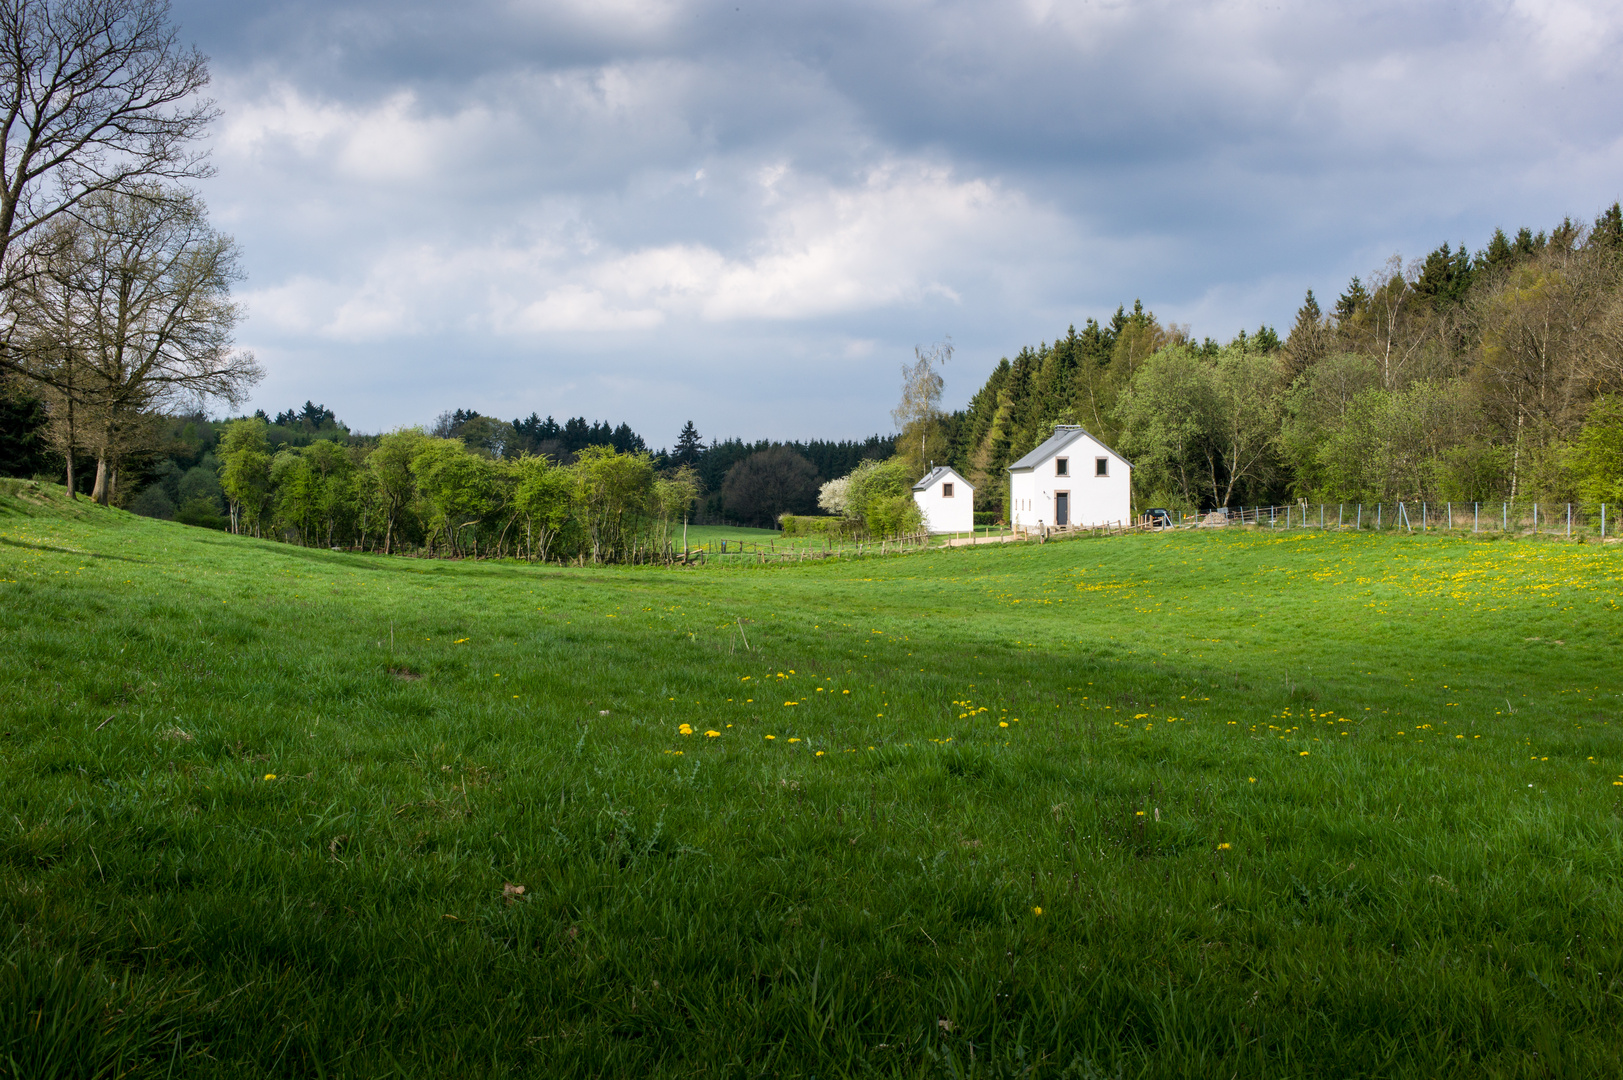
pixel 747 213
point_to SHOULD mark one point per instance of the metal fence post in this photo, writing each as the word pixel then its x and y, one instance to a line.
pixel 1476 517
pixel 1504 509
pixel 1569 521
pixel 1360 524
pixel 1379 507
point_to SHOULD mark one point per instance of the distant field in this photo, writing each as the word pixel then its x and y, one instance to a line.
pixel 1304 804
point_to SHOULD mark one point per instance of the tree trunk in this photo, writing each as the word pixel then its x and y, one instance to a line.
pixel 98 494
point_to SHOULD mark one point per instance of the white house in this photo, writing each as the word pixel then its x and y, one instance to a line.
pixel 1071 478
pixel 947 501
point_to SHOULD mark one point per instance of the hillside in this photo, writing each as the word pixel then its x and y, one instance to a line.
pixel 1159 805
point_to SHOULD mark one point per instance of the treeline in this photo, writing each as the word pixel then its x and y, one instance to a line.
pixel 415 492
pixel 410 491
pixel 1457 376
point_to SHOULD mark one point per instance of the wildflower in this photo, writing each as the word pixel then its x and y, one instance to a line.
pixel 1140 813
pixel 795 739
pixel 270 776
pixel 791 703
pixel 1223 846
pixel 1253 779
pixel 771 736
pixel 1304 753
pixel 819 753
pixel 1037 911
pixel 712 734
pixel 1002 723
pixel 685 729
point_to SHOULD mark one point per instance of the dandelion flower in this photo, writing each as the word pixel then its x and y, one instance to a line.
pixel 1304 753
pixel 685 729
pixel 1037 911
pixel 1140 813
pixel 1002 723
pixel 1253 779
pixel 270 776
pixel 1222 847
pixel 795 739
pixel 819 753
pixel 712 734
pixel 771 736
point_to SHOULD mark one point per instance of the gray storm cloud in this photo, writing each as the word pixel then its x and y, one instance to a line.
pixel 747 213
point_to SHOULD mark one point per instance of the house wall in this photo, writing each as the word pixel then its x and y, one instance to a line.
pixel 943 515
pixel 1095 500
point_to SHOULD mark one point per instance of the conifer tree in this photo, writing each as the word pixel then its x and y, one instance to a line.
pixel 1306 341
pixel 689 446
pixel 1352 302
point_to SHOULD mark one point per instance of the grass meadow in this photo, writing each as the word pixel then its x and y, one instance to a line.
pixel 1226 804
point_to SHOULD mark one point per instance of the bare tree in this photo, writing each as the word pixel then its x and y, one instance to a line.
pixel 137 292
pixel 95 96
pixel 919 411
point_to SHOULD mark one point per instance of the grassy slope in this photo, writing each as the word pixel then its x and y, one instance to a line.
pixel 1395 899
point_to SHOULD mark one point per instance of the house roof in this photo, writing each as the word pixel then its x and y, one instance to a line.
pixel 1064 435
pixel 938 473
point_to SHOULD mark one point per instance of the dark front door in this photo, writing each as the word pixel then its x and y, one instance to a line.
pixel 1062 508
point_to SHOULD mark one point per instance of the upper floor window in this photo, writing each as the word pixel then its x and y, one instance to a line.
pixel 1101 466
pixel 1062 466
pixel 946 491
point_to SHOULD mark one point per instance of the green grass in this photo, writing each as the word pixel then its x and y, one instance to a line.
pixel 1409 746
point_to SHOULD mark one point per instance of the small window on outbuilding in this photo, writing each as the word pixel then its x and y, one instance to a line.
pixel 946 491
pixel 1062 466
pixel 1101 466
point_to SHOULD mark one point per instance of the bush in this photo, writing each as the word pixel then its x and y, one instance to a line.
pixel 154 502
pixel 893 515
pixel 839 528
pixel 200 512
pixel 987 517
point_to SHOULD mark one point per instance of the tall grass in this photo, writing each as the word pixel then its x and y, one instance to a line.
pixel 1316 805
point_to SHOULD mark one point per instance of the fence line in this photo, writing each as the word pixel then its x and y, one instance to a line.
pixel 1534 519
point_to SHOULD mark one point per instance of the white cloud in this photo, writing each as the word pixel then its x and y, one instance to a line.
pixel 904 232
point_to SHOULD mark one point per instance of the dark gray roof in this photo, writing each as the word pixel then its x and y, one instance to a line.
pixel 1064 435
pixel 937 473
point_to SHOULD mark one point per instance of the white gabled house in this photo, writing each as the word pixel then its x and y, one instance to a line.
pixel 947 501
pixel 1070 479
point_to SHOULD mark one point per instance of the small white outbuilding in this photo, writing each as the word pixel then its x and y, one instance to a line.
pixel 946 500
pixel 1070 479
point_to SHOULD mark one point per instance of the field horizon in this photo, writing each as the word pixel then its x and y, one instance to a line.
pixel 1249 803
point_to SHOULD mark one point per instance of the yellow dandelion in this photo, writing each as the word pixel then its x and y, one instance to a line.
pixel 1304 753
pixel 712 734
pixel 795 739
pixel 1002 723
pixel 1222 847
pixel 771 736
pixel 819 753
pixel 1037 911
pixel 1140 813
pixel 1253 779
pixel 270 776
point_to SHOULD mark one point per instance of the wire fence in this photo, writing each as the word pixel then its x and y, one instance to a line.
pixel 1572 520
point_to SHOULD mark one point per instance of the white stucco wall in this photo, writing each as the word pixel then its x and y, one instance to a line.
pixel 947 515
pixel 1095 500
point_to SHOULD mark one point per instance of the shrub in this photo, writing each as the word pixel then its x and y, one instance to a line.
pixel 839 528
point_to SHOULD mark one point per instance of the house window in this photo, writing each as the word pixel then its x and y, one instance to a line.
pixel 946 491
pixel 1101 466
pixel 1062 466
